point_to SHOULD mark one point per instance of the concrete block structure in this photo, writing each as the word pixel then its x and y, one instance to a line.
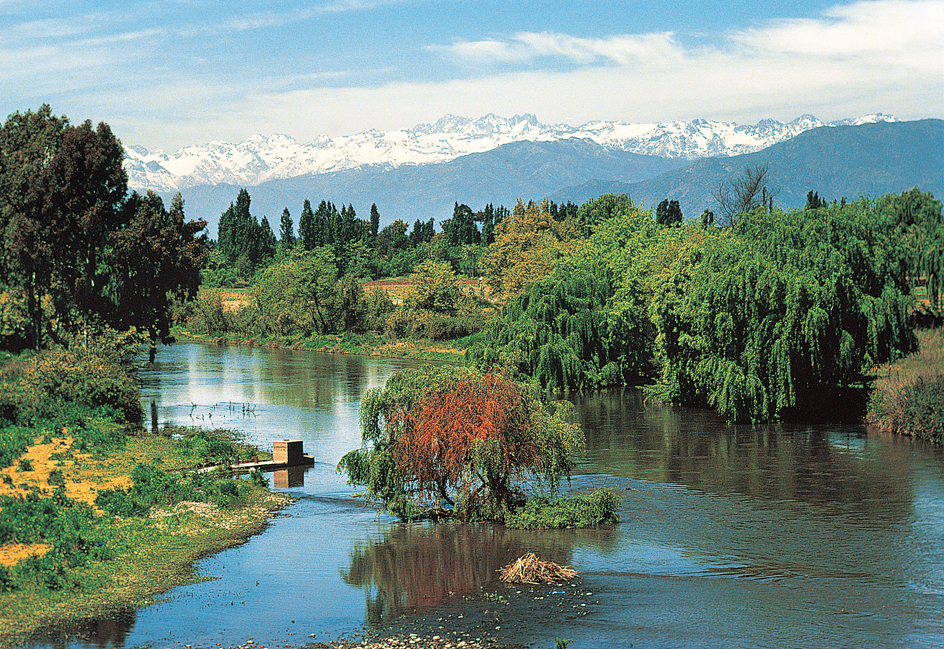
pixel 288 452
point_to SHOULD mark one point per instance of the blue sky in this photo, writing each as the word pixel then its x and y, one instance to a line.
pixel 169 73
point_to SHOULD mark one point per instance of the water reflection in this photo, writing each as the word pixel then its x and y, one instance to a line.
pixel 102 633
pixel 840 469
pixel 411 568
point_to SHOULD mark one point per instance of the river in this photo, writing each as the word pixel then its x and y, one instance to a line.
pixel 731 536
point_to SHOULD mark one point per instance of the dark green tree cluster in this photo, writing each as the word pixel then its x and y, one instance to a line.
pixel 247 244
pixel 669 213
pixel 69 231
pixel 784 316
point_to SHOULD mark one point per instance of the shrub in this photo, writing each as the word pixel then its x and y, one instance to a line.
pixel 457 442
pixel 208 316
pixel 590 510
pixel 63 385
pixel 924 408
pixel 152 487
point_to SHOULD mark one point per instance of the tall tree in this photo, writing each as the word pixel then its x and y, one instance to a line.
pixel 286 230
pixel 157 257
pixel 669 213
pixel 27 143
pixel 57 230
pixel 307 228
pixel 374 223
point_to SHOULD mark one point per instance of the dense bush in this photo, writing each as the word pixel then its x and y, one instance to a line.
pixel 590 510
pixel 924 408
pixel 66 525
pixel 86 389
pixel 65 384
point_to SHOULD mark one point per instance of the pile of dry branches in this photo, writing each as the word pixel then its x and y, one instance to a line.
pixel 531 570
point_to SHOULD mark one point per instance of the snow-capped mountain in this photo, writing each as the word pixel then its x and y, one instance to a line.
pixel 262 158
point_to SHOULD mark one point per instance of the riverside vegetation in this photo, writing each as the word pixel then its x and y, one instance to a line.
pixel 766 318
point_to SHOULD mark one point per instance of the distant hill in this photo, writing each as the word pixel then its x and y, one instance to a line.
pixel 527 170
pixel 263 158
pixel 836 162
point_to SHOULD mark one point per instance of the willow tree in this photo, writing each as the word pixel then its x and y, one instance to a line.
pixel 458 442
pixel 783 315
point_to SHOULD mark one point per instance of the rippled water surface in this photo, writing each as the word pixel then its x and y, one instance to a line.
pixel 772 536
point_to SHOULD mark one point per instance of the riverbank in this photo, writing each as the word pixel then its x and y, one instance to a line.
pixel 369 344
pixel 908 395
pixel 132 559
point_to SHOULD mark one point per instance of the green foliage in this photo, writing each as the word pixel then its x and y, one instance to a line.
pixel 207 447
pixel 64 385
pixel 527 247
pixel 155 261
pixel 67 525
pixel 782 315
pixel 598 210
pixel 588 510
pixel 563 332
pixel 453 441
pixel 74 247
pixel 924 408
pixel 435 287
pixel 246 243
pixel 207 314
pixel 152 486
pixel 299 294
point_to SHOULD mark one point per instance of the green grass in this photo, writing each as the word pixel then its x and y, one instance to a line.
pixel 368 344
pixel 98 562
pixel 589 510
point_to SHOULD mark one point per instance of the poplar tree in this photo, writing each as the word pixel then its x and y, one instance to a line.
pixel 286 230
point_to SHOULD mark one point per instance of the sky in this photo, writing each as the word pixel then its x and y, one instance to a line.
pixel 170 73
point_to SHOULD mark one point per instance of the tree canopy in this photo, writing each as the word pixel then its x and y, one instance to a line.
pixel 454 441
pixel 68 224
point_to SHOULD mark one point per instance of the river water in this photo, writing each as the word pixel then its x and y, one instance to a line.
pixel 731 536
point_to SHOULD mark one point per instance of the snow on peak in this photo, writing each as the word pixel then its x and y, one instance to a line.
pixel 267 157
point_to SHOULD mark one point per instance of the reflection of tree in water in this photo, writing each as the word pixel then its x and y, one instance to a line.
pixel 816 464
pixel 414 567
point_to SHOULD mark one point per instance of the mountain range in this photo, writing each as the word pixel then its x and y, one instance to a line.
pixel 260 159
pixel 422 172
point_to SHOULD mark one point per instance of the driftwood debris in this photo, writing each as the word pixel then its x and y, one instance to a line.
pixel 531 570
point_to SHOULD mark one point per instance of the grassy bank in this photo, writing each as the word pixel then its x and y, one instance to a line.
pixel 908 397
pixel 69 558
pixel 97 515
pixel 369 344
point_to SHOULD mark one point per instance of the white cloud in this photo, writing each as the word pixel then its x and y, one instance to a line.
pixel 853 59
pixel 894 32
pixel 527 46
